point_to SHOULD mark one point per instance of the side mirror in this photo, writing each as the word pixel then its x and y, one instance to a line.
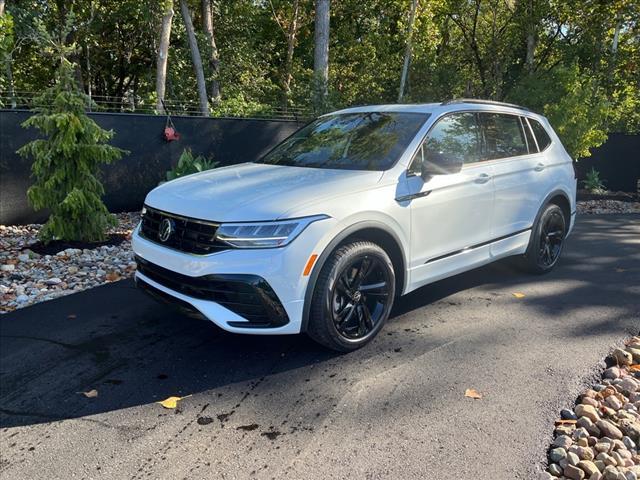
pixel 439 164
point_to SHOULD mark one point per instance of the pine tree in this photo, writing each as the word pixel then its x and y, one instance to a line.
pixel 66 161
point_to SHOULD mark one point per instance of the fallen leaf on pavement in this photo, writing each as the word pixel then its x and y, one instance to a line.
pixel 620 270
pixel 518 295
pixel 71 316
pixel 171 402
pixel 91 393
pixel 472 393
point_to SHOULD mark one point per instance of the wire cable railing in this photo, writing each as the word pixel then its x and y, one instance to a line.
pixel 133 104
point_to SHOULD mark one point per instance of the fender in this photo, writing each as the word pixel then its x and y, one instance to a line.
pixel 317 268
pixel 554 193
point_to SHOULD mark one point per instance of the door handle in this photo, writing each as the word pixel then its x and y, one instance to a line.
pixel 483 178
pixel 539 167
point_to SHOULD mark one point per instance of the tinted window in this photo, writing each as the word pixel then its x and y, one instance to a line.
pixel 503 136
pixel 541 134
pixel 454 137
pixel 529 136
pixel 352 141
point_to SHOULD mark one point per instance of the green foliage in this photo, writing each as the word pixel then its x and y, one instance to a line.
pixel 579 72
pixel 66 161
pixel 6 48
pixel 239 106
pixel 593 182
pixel 579 118
pixel 573 102
pixel 188 164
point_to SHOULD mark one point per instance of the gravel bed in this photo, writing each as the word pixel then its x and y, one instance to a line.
pixel 27 278
pixel 598 439
pixel 586 207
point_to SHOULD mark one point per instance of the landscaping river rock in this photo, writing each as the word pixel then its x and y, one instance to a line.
pixel 599 438
pixel 27 277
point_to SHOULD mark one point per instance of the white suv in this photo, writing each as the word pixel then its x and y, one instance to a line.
pixel 355 209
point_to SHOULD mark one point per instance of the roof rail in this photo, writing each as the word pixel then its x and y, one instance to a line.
pixel 485 102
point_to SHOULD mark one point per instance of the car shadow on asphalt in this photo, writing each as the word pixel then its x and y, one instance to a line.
pixel 134 351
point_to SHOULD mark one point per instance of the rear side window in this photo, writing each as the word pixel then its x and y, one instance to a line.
pixel 541 134
pixel 503 136
pixel 455 136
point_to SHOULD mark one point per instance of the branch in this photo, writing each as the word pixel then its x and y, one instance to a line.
pixel 277 19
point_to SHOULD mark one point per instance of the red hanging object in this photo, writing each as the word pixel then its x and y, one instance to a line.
pixel 170 133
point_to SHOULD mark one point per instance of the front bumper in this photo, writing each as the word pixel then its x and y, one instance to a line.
pixel 249 296
pixel 274 276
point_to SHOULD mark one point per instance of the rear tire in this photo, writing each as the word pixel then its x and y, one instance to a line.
pixel 353 296
pixel 546 242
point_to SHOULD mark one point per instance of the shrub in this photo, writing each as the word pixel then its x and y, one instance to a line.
pixel 66 162
pixel 188 164
pixel 593 182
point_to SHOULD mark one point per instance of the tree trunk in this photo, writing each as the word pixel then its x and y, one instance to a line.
pixel 8 61
pixel 611 68
pixel 163 54
pixel 321 51
pixel 214 60
pixel 531 49
pixel 10 85
pixel 407 52
pixel 291 43
pixel 531 38
pixel 195 59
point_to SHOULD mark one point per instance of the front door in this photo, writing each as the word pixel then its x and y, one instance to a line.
pixel 450 213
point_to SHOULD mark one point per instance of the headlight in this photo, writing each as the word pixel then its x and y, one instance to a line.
pixel 264 234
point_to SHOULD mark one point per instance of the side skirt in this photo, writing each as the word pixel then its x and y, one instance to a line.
pixel 468 259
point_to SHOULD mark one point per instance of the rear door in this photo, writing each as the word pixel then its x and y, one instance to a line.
pixel 519 171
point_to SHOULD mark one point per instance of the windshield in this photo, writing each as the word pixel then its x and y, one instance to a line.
pixel 351 141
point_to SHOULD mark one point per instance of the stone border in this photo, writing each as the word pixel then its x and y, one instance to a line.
pixel 598 439
pixel 27 278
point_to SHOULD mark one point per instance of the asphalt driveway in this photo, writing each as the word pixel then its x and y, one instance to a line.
pixel 282 407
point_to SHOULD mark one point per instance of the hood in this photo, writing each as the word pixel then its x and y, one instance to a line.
pixel 252 191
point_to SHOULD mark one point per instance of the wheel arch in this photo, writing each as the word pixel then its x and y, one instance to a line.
pixel 373 231
pixel 560 198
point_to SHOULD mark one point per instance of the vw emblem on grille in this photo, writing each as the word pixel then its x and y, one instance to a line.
pixel 165 230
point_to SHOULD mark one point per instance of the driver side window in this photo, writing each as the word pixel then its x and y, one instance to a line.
pixel 453 137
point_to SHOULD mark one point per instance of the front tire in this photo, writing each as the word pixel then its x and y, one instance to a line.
pixel 353 296
pixel 547 240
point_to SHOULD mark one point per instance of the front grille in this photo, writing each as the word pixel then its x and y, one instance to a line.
pixel 188 234
pixel 249 296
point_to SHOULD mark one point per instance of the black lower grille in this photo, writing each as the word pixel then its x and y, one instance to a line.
pixel 185 234
pixel 249 296
pixel 182 306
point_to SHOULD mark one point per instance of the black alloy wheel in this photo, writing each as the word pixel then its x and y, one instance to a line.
pixel 360 297
pixel 353 296
pixel 552 233
pixel 547 240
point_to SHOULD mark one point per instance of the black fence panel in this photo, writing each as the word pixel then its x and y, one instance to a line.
pixel 127 181
pixel 228 141
pixel 617 160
